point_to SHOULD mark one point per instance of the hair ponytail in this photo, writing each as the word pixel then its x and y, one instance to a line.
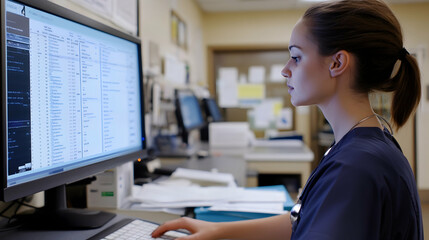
pixel 407 91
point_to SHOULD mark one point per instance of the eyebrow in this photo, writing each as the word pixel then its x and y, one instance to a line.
pixel 294 46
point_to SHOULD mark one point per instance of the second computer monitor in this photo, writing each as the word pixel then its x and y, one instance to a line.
pixel 212 110
pixel 188 112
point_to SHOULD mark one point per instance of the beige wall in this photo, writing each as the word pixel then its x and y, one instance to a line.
pixel 155 26
pixel 414 19
pixel 249 28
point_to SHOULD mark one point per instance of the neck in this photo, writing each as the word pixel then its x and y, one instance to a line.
pixel 347 114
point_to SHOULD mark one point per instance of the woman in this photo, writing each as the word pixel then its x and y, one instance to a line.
pixel 363 187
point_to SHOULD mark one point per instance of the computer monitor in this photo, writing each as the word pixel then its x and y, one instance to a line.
pixel 212 110
pixel 212 114
pixel 72 105
pixel 188 113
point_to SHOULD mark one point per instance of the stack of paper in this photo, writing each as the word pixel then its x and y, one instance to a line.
pixel 167 196
pixel 236 211
pixel 204 178
pixel 196 188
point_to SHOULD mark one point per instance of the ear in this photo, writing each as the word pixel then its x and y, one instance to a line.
pixel 340 63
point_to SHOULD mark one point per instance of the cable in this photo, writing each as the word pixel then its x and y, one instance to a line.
pixel 20 202
pixel 5 209
pixel 10 220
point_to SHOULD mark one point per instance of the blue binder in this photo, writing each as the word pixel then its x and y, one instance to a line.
pixel 203 213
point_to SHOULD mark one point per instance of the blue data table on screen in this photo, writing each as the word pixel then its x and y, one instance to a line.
pixel 203 213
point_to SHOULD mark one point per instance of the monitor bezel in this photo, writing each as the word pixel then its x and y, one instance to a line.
pixel 45 183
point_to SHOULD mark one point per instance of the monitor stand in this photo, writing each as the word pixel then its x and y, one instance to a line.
pixel 56 215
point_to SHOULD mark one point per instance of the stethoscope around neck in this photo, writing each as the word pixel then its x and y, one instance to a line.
pixel 296 209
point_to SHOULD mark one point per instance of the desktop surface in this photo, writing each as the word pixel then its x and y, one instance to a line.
pixel 20 233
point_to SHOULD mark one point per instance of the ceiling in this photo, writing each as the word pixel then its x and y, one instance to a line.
pixel 264 5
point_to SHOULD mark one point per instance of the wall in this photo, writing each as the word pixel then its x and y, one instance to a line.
pixel 414 19
pixel 155 26
pixel 274 27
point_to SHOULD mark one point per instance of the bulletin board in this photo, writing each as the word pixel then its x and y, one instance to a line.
pixel 248 84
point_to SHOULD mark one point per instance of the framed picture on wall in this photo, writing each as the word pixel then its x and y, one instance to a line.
pixel 178 31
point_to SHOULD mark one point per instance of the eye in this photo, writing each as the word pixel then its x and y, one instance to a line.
pixel 296 59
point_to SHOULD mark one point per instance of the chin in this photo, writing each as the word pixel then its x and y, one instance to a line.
pixel 296 103
pixel 300 103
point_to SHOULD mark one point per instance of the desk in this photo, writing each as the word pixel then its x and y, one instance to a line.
pixel 245 163
pixel 18 234
pixel 287 160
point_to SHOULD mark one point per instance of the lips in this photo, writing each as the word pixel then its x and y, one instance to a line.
pixel 290 88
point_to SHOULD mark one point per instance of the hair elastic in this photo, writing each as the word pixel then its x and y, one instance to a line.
pixel 403 53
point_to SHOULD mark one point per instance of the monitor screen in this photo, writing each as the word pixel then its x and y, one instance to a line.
pixel 189 109
pixel 212 110
pixel 71 97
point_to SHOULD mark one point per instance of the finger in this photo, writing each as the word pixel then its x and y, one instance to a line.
pixel 167 226
pixel 191 237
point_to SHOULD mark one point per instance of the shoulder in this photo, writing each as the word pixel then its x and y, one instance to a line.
pixel 368 163
pixel 371 156
pixel 370 149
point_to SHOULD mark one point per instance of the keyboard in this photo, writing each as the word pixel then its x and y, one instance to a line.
pixel 134 229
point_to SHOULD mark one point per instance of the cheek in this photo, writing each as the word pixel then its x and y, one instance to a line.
pixel 310 88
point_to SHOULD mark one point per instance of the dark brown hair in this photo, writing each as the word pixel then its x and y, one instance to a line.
pixel 369 30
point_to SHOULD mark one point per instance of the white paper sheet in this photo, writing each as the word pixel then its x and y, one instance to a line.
pixel 285 119
pixel 265 113
pixel 260 196
pixel 275 73
pixel 205 177
pixel 227 86
pixel 273 208
pixel 228 74
pixel 227 93
pixel 256 74
pixel 175 70
pixel 154 193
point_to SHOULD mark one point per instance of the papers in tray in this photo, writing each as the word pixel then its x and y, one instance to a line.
pixel 227 212
pixel 156 196
pixel 273 208
pixel 204 178
pixel 277 143
pixel 196 188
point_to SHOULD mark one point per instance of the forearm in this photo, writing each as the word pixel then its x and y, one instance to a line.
pixel 277 227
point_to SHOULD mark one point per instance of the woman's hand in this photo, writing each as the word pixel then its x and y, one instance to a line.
pixel 200 230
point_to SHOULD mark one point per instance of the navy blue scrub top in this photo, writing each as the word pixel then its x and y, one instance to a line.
pixel 363 188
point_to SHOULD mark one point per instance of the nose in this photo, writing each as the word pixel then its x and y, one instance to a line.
pixel 286 72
